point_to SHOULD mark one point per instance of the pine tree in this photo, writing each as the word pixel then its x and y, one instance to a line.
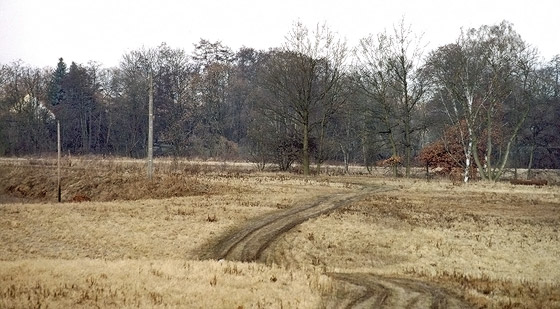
pixel 56 91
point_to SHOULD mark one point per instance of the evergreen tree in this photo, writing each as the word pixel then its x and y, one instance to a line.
pixel 56 90
pixel 78 109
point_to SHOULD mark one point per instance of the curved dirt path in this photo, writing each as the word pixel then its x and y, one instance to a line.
pixel 248 243
pixel 361 290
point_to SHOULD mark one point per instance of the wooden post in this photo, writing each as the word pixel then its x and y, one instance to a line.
pixel 58 160
pixel 150 126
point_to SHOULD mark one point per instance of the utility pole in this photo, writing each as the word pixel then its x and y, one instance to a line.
pixel 150 125
pixel 58 160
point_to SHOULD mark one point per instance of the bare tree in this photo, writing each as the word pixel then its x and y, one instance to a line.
pixel 389 74
pixel 406 53
pixel 304 78
pixel 474 82
pixel 130 85
pixel 374 79
pixel 538 140
pixel 26 125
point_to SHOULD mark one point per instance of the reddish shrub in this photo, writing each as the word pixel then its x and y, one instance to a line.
pixel 392 161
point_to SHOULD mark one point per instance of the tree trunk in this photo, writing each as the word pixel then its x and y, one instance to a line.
pixel 150 127
pixel 345 155
pixel 477 161
pixel 83 133
pixel 498 174
pixel 468 155
pixel 495 176
pixel 90 131
pixel 407 138
pixel 395 155
pixel 305 159
pixel 472 147
pixel 320 146
pixel 408 152
pixel 530 165
pixel 488 170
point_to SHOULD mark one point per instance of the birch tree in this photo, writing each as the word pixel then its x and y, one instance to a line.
pixel 474 82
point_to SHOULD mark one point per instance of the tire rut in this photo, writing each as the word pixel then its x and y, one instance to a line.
pixel 373 291
pixel 366 290
pixel 248 243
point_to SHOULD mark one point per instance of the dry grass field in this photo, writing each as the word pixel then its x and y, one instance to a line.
pixel 139 244
pixel 495 244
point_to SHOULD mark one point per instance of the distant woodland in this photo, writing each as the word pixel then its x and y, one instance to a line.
pixel 485 102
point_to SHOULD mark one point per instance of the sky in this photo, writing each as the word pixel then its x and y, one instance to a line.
pixel 38 32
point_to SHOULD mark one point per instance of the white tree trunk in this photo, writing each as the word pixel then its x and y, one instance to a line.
pixel 469 150
pixel 468 163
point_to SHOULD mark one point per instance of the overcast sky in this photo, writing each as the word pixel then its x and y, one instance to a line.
pixel 41 31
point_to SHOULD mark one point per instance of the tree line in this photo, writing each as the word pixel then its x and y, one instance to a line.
pixel 477 105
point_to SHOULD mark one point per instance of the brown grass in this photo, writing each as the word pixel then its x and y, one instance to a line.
pixel 96 182
pixel 144 252
pixel 496 244
pixel 152 284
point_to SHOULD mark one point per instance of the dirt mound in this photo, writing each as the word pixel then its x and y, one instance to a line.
pixel 39 184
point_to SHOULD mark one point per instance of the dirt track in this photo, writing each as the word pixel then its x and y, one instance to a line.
pixel 353 290
pixel 372 291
